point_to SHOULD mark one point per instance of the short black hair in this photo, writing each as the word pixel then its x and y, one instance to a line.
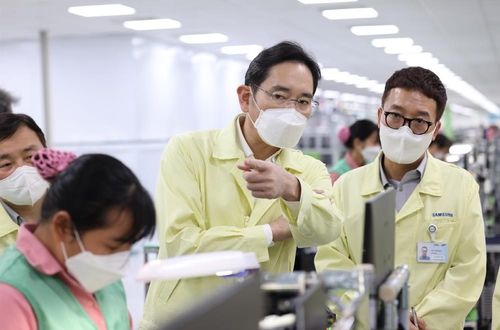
pixel 6 101
pixel 361 129
pixel 11 122
pixel 94 184
pixel 442 141
pixel 285 51
pixel 419 79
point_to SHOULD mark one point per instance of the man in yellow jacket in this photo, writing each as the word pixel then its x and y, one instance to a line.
pixel 437 204
pixel 21 187
pixel 243 187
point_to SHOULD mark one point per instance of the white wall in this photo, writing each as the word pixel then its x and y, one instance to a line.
pixel 20 74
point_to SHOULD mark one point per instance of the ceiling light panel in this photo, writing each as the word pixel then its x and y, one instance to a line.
pixel 152 24
pixel 412 55
pixel 450 80
pixel 348 78
pixel 403 49
pixel 371 30
pixel 349 13
pixel 114 9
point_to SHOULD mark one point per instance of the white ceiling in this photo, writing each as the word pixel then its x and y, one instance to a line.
pixel 463 34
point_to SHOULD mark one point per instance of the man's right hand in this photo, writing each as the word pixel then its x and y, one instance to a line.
pixel 281 229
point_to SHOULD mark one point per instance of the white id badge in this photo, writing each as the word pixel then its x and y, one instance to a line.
pixel 430 252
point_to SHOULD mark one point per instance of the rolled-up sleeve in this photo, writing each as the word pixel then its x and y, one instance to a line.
pixel 314 220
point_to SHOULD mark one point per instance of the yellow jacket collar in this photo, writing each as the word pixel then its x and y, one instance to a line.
pixel 7 226
pixel 227 147
pixel 430 184
pixel 372 183
pixel 227 144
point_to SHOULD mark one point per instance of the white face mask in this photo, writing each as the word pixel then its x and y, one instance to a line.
pixel 93 271
pixel 369 153
pixel 401 145
pixel 280 127
pixel 24 186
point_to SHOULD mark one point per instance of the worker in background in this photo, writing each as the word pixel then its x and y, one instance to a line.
pixel 64 273
pixel 244 187
pixel 492 133
pixel 437 206
pixel 440 147
pixel 21 187
pixel 6 101
pixel 362 146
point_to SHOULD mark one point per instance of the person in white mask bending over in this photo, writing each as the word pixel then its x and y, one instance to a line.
pixel 65 271
pixel 244 187
pixel 21 187
pixel 437 206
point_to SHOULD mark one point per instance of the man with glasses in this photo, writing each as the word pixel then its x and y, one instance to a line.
pixel 437 206
pixel 243 187
pixel 21 187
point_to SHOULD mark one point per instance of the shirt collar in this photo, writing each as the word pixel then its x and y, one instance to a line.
pixel 419 171
pixel 35 252
pixel 12 214
pixel 244 144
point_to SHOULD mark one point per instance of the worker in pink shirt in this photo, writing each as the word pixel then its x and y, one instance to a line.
pixel 362 145
pixel 64 273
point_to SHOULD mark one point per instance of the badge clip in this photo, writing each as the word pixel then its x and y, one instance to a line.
pixel 432 229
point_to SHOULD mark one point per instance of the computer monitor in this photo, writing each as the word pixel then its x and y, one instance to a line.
pixel 379 234
pixel 239 306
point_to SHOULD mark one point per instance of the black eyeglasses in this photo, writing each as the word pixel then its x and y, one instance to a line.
pixel 418 126
pixel 279 98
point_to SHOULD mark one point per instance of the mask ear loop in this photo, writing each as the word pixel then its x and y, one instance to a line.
pixel 78 239
pixel 63 249
pixel 260 111
pixel 80 244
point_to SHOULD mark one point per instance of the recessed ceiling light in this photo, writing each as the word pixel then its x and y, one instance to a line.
pixel 425 60
pixel 370 30
pixel 314 2
pixel 403 49
pixel 347 78
pixel 205 38
pixel 389 42
pixel 114 9
pixel 241 49
pixel 456 84
pixel 349 13
pixel 152 24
